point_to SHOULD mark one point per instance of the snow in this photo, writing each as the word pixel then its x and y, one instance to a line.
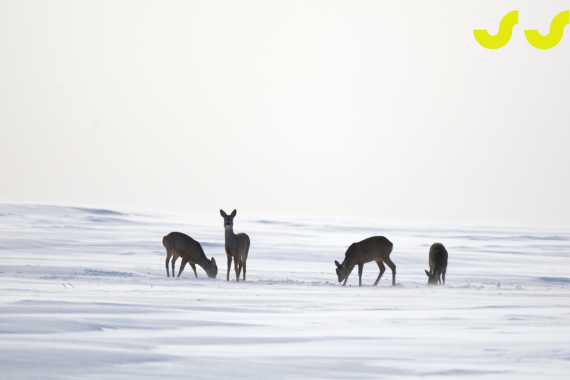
pixel 84 293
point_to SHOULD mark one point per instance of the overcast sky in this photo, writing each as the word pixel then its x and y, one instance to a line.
pixel 385 109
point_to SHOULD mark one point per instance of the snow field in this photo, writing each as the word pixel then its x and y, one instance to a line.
pixel 84 293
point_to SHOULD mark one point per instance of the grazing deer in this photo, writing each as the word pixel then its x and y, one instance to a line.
pixel 179 245
pixel 237 246
pixel 437 264
pixel 376 248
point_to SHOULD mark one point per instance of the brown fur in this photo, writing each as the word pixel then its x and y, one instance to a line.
pixel 178 245
pixel 237 246
pixel 437 264
pixel 376 248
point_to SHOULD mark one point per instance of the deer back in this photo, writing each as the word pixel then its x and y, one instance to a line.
pixel 437 258
pixel 372 249
pixel 184 246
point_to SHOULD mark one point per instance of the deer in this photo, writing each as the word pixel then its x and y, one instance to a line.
pixel 437 264
pixel 178 245
pixel 375 248
pixel 237 245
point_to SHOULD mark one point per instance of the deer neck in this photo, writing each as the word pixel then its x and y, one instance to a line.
pixel 349 261
pixel 230 236
pixel 206 265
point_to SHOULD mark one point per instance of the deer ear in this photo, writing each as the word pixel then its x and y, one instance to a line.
pixel 337 264
pixel 213 262
pixel 427 273
pixel 223 214
pixel 234 213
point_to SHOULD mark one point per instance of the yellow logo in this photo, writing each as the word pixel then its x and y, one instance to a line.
pixel 553 37
pixel 533 37
pixel 505 32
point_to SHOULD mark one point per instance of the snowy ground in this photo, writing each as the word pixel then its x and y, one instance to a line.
pixel 84 294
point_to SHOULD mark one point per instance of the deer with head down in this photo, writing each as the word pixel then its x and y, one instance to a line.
pixel 376 248
pixel 178 245
pixel 237 245
pixel 437 264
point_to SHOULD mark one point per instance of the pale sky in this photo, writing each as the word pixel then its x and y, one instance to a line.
pixel 384 109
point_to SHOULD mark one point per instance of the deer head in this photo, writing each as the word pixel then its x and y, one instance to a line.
pixel 213 270
pixel 432 278
pixel 343 270
pixel 228 219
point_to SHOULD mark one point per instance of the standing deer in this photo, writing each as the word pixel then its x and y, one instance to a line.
pixel 376 248
pixel 180 245
pixel 237 246
pixel 437 264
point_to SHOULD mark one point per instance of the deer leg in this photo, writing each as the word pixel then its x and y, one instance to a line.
pixel 229 266
pixel 193 268
pixel 443 275
pixel 382 270
pixel 236 268
pixel 182 265
pixel 346 279
pixel 244 261
pixel 393 268
pixel 172 262
pixel 360 269
pixel 168 256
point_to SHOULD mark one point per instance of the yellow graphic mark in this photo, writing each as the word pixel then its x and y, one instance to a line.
pixel 505 32
pixel 553 37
